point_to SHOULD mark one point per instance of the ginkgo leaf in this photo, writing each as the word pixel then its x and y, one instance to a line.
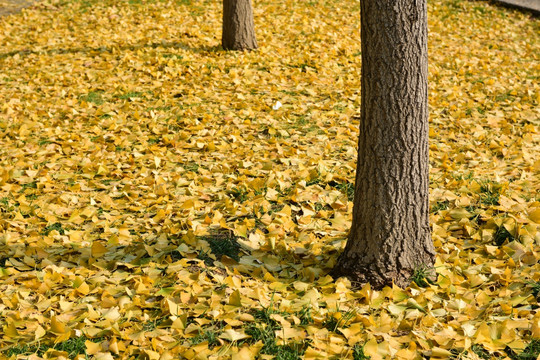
pixel 98 249
pixel 535 326
pixel 103 356
pixel 92 348
pixel 244 354
pixel 233 335
pixel 534 215
pixel 174 308
pixel 57 327
pixel 235 299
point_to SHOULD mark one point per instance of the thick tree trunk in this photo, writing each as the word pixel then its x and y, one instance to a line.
pixel 390 235
pixel 238 29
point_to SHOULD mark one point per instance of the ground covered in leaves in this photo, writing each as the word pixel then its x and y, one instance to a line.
pixel 156 202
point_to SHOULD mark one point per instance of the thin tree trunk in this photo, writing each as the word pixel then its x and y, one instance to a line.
pixel 238 28
pixel 390 235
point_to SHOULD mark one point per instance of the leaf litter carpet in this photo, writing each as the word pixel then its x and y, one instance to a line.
pixel 156 202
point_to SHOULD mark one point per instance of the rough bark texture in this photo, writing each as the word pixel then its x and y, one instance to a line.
pixel 390 235
pixel 238 29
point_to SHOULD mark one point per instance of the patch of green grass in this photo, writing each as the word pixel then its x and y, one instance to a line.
pixel 454 8
pixel 44 141
pixel 501 235
pixel 319 206
pixel 175 56
pixel 535 287
pixel 285 192
pixel 152 141
pixel 422 275
pixel 305 316
pixel 265 330
pixel 209 335
pixel 30 185
pixel 5 205
pixel 129 95
pixel 197 10
pixel 347 189
pixel 358 352
pixel 456 353
pixel 315 180
pixel 203 255
pixel 95 97
pixel 221 243
pixel 192 167
pixel 159 108
pixel 440 205
pixel 21 350
pixel 288 92
pixel 175 255
pixel 480 351
pixel 56 226
pixel 151 325
pixel 461 176
pixel 73 346
pixel 265 314
pixel 303 66
pixel 504 97
pixel 275 207
pixel 531 352
pixel 490 192
pixel 83 5
pixel 301 121
pixel 239 194
pixel 480 9
pixel 334 321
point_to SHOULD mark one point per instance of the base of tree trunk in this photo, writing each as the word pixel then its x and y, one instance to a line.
pixel 380 268
pixel 377 278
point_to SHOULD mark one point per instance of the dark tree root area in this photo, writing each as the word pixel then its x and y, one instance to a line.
pixel 361 275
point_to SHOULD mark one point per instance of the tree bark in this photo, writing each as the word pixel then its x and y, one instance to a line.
pixel 390 235
pixel 238 28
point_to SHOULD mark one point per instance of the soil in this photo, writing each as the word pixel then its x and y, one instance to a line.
pixel 8 7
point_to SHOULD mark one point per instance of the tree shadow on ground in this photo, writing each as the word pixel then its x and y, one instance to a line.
pixel 219 251
pixel 46 270
pixel 113 48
